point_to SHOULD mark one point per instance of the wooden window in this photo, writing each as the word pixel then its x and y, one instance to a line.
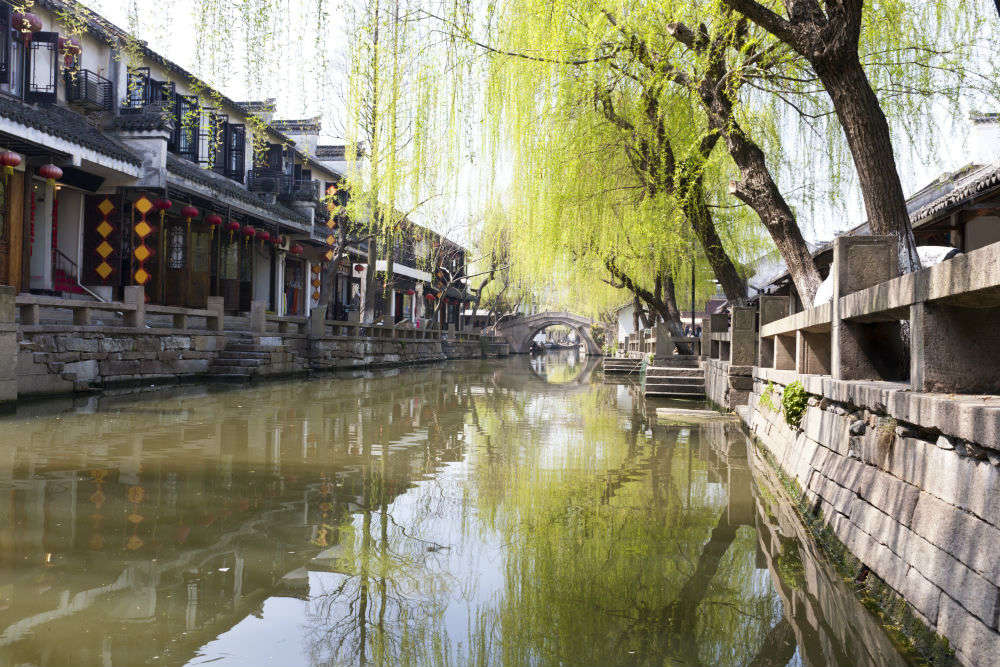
pixel 236 148
pixel 218 143
pixel 5 46
pixel 186 127
pixel 137 94
pixel 43 68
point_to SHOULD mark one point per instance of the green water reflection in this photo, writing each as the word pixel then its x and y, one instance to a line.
pixel 515 512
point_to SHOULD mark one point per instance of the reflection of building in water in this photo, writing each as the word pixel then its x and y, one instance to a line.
pixel 149 530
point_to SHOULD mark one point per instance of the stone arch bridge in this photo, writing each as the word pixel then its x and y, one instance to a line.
pixel 520 331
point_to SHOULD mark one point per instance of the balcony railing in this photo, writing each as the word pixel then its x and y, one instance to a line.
pixel 283 185
pixel 88 90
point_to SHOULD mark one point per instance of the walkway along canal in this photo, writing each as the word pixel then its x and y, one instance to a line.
pixel 504 512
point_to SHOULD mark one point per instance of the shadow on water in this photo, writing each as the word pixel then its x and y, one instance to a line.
pixel 513 512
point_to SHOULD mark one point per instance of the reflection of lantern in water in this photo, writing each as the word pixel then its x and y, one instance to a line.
pixel 135 495
pixel 96 540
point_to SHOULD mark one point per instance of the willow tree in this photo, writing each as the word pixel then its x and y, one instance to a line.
pixel 879 63
pixel 755 90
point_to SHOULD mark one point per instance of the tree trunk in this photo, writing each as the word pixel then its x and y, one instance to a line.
pixel 700 216
pixel 758 190
pixel 867 133
pixel 368 308
pixel 329 275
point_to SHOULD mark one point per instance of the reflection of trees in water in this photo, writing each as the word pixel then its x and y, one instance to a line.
pixel 608 562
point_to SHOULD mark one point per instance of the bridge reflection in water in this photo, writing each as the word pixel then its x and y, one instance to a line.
pixel 468 513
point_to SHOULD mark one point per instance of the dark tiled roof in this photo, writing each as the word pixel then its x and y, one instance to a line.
pixel 223 185
pixel 65 124
pixel 259 106
pixel 963 190
pixel 149 120
pixel 331 152
pixel 298 126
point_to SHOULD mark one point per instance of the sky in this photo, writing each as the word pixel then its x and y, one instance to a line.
pixel 290 76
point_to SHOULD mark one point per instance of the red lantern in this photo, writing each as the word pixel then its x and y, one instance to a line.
pixel 232 226
pixel 359 267
pixel 50 173
pixel 9 160
pixel 249 231
pixel 26 23
pixel 263 235
pixel 162 204
pixel 410 292
pixel 189 212
pixel 70 48
pixel 214 219
pixel 296 249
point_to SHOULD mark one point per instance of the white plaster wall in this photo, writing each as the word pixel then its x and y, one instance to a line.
pixel 261 273
pixel 41 249
pixel 982 231
pixel 626 323
pixel 70 224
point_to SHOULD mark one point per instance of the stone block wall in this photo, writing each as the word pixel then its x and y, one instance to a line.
pixel 727 385
pixel 60 361
pixel 332 352
pixel 912 499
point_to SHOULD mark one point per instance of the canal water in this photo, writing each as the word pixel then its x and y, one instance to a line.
pixel 512 512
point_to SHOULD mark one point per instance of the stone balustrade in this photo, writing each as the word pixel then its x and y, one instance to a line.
pixel 52 345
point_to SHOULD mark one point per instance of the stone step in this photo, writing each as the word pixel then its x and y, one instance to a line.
pixel 673 394
pixel 245 363
pixel 669 387
pixel 242 347
pixel 232 377
pixel 241 354
pixel 670 362
pixel 660 371
pixel 674 379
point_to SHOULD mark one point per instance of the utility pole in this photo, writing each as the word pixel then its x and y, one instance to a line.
pixel 692 294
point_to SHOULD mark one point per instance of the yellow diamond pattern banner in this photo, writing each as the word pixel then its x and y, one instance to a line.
pixel 101 239
pixel 142 230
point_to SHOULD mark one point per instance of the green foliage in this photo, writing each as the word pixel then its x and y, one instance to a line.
pixel 793 403
pixel 767 397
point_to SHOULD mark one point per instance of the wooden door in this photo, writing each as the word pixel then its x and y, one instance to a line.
pixel 199 267
pixel 176 262
pixel 11 229
pixel 229 272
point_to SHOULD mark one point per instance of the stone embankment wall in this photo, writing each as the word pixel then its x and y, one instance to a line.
pixel 60 362
pixel 727 385
pixel 38 359
pixel 910 484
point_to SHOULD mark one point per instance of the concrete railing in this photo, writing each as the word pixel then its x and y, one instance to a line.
pixel 951 310
pixel 47 312
pixel 658 342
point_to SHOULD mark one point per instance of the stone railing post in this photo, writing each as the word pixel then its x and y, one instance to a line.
pixel 317 322
pixel 8 346
pixel 720 324
pixel 772 309
pixel 864 351
pixel 743 346
pixel 135 298
pixel 258 321
pixel 217 320
pixel 664 343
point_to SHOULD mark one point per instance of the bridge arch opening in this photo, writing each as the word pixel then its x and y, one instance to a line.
pixel 520 332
